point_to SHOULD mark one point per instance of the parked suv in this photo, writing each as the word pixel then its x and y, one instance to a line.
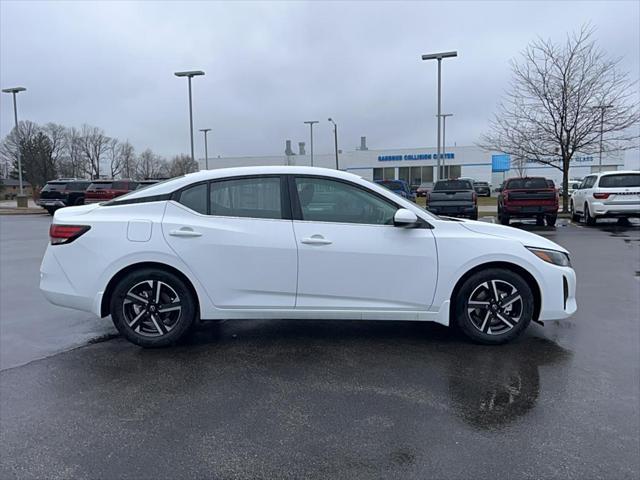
pixel 607 194
pixel 483 189
pixel 105 190
pixel 62 193
pixel 529 197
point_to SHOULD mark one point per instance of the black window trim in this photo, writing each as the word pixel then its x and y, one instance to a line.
pixel 285 203
pixel 297 209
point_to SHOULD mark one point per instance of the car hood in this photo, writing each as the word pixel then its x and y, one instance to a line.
pixel 528 239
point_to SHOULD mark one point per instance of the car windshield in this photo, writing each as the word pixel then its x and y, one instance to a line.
pixel 453 185
pixel 54 187
pixel 620 180
pixel 527 183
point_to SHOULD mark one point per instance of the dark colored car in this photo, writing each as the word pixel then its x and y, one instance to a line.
pixel 529 197
pixel 454 198
pixel 399 187
pixel 483 189
pixel 147 182
pixel 105 190
pixel 62 193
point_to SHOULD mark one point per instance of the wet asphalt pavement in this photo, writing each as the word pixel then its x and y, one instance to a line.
pixel 316 399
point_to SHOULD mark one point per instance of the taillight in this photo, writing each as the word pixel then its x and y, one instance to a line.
pixel 60 234
pixel 601 196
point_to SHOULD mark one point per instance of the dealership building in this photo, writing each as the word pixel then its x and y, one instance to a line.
pixel 417 165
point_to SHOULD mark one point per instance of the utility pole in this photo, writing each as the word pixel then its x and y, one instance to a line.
pixel 311 123
pixel 190 75
pixel 206 151
pixel 22 201
pixel 439 57
pixel 335 138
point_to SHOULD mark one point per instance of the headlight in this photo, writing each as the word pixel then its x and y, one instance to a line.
pixel 551 256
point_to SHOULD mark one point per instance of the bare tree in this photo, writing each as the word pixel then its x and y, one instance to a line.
pixel 72 163
pixel 58 137
pixel 563 98
pixel 151 165
pixel 94 144
pixel 114 158
pixel 128 159
pixel 181 165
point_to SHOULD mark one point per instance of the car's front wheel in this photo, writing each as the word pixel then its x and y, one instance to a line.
pixel 153 308
pixel 494 306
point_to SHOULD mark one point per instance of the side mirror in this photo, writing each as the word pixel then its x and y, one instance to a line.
pixel 405 218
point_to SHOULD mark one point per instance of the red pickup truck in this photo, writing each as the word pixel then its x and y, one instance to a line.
pixel 529 197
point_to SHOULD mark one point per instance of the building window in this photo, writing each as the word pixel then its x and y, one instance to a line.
pixel 404 174
pixel 427 174
pixel 378 174
pixel 452 171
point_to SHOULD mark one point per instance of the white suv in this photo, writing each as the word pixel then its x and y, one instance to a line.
pixel 607 194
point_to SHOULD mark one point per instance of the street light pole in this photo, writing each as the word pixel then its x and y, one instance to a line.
pixel 14 91
pixel 444 137
pixel 602 109
pixel 206 151
pixel 335 139
pixel 439 57
pixel 190 75
pixel 311 123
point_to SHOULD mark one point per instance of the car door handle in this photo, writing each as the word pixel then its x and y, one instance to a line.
pixel 316 240
pixel 185 232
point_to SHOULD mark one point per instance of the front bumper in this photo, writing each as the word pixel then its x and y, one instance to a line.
pixel 43 202
pixel 558 294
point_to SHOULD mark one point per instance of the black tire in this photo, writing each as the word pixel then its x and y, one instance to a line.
pixel 551 220
pixel 474 215
pixel 504 219
pixel 540 220
pixel 586 214
pixel 574 216
pixel 141 320
pixel 510 326
pixel 79 201
pixel 50 210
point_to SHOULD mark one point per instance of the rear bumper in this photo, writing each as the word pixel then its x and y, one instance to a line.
pixel 465 210
pixel 56 287
pixel 529 210
pixel 600 209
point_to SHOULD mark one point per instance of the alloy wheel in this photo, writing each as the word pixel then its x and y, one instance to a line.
pixel 495 307
pixel 152 308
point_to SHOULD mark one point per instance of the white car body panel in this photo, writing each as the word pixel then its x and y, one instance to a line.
pixel 259 268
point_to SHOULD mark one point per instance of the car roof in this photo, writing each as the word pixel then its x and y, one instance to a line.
pixel 617 172
pixel 174 184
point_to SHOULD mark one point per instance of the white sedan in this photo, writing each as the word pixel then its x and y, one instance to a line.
pixel 296 242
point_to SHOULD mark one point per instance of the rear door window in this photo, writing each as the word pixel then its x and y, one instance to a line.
pixel 253 197
pixel 100 186
pixel 195 198
pixel 454 185
pixel 620 180
pixel 54 187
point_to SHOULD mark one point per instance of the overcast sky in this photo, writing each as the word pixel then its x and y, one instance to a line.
pixel 270 66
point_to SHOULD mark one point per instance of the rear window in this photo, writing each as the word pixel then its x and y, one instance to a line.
pixel 620 180
pixel 527 183
pixel 100 186
pixel 482 184
pixel 454 185
pixel 54 187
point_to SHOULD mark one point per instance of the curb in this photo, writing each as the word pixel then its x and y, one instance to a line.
pixel 22 211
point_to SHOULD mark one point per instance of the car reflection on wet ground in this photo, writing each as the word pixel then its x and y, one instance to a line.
pixel 342 399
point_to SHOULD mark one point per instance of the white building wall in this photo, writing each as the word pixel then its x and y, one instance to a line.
pixel 475 162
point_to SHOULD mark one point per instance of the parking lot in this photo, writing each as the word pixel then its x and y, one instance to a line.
pixel 324 399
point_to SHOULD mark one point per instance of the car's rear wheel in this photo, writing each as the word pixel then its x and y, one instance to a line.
pixel 50 210
pixel 494 306
pixel 551 220
pixel 474 215
pixel 153 308
pixel 503 217
pixel 540 220
pixel 588 219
